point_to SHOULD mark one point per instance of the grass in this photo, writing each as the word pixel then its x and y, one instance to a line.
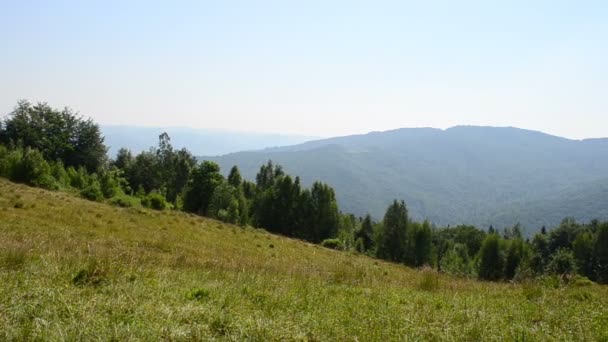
pixel 72 269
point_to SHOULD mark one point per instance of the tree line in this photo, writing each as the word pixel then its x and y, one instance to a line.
pixel 60 150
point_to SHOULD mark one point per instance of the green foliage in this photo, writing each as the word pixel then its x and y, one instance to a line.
pixel 58 135
pixel 332 244
pixel 393 243
pixel 421 244
pixel 456 261
pixel 234 178
pixel 124 201
pixel 92 192
pixel 583 250
pixel 601 253
pixel 562 262
pixel 224 204
pixel 515 255
pixel 491 259
pixel 366 234
pixel 203 181
pixel 346 231
pixel 60 174
pixel 112 183
pixel 78 178
pixel 154 200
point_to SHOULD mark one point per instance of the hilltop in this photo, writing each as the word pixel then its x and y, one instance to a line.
pixel 72 269
pixel 462 175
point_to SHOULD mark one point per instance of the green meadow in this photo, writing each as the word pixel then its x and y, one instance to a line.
pixel 72 269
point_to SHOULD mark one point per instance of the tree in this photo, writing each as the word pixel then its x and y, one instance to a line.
pixel 124 159
pixel 203 181
pixel 267 174
pixel 346 231
pixel 234 178
pixel 393 241
pixel 325 213
pixel 366 233
pixel 182 163
pixel 58 135
pixel 601 253
pixel 491 260
pixel 515 255
pixel 540 253
pixel 456 261
pixel 421 244
pixel 224 204
pixel 144 172
pixel 583 249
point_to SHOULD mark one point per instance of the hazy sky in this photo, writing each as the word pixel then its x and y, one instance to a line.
pixel 313 67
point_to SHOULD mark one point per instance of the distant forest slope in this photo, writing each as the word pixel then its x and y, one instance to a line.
pixel 465 174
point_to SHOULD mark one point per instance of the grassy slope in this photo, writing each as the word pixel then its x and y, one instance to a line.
pixel 139 272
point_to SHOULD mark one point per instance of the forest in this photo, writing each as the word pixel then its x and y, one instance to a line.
pixel 60 150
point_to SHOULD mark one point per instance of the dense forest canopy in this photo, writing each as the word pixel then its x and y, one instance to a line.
pixel 59 150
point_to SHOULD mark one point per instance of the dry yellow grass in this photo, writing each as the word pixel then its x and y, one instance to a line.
pixel 71 269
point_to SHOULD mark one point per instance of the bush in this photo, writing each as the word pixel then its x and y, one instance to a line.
pixel 155 201
pixel 333 244
pixel 112 183
pixel 92 192
pixel 123 201
pixel 27 166
pixel 562 263
pixel 77 178
pixel 59 173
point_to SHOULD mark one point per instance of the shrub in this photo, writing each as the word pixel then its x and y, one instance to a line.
pixel 562 263
pixel 112 183
pixel 155 201
pixel 59 173
pixel 92 192
pixel 333 244
pixel 77 178
pixel 123 201
pixel 27 166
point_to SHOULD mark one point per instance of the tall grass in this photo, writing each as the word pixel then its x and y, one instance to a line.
pixel 72 269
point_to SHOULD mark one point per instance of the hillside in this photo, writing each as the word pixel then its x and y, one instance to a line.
pixel 71 269
pixel 465 174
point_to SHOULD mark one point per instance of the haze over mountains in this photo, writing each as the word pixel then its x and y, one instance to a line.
pixel 198 141
pixel 462 175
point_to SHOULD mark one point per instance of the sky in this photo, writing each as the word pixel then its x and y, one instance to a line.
pixel 320 68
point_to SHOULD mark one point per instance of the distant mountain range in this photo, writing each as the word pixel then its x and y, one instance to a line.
pixel 198 141
pixel 462 175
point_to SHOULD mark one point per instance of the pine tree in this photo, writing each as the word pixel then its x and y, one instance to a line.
pixel 491 261
pixel 234 178
pixel 393 243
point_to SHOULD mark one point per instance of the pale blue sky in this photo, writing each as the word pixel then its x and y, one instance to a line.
pixel 313 67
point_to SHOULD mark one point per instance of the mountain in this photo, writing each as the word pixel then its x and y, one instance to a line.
pixel 198 141
pixel 462 175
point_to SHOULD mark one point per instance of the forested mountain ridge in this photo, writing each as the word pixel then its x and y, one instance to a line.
pixel 464 174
